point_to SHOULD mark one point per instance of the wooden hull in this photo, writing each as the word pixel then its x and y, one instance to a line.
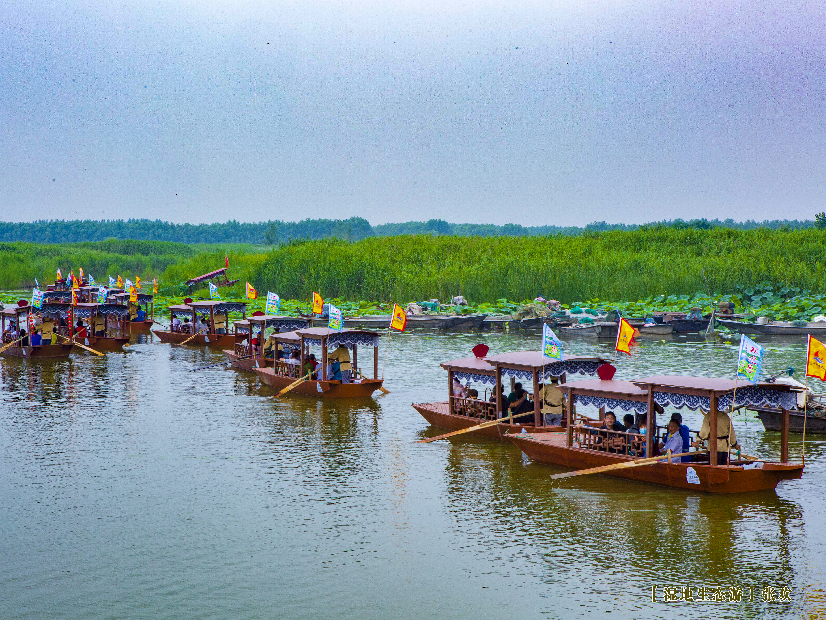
pixel 689 326
pixel 102 344
pixel 320 389
pixel 549 448
pixel 47 351
pixel 598 330
pixel 818 330
pixel 437 415
pixel 141 327
pixel 664 329
pixel 222 341
pixel 247 363
pixel 771 421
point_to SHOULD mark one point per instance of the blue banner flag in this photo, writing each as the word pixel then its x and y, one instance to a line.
pixel 750 359
pixel 335 318
pixel 273 304
pixel 551 346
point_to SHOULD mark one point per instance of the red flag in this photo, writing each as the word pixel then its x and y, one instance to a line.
pixel 226 261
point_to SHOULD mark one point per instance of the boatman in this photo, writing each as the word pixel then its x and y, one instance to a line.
pixel 725 436
pixel 552 402
pixel 342 355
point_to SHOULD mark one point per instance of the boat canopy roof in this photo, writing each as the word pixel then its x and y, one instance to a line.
pixel 478 365
pixel 522 364
pixel 345 337
pixel 289 323
pixel 181 308
pixel 625 389
pixel 218 305
pixel 143 298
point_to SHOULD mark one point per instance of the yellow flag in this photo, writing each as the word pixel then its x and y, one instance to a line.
pixel 155 286
pixel 318 303
pixel 59 275
pixel 137 283
pixel 133 294
pixel 625 337
pixel 816 359
pixel 399 320
pixel 75 283
pixel 251 292
pixel 74 296
pixel 81 274
pixel 120 282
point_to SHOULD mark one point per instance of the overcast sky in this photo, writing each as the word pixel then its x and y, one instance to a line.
pixel 525 112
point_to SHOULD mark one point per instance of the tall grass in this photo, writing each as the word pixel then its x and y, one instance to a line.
pixel 617 265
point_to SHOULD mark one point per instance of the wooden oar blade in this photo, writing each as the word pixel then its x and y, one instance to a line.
pixel 470 429
pixel 293 385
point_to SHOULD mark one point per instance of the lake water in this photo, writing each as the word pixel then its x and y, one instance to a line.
pixel 132 487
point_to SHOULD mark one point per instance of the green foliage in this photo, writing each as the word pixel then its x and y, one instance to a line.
pixel 611 265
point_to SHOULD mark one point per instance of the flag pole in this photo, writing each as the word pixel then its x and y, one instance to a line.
pixel 805 415
pixel 387 346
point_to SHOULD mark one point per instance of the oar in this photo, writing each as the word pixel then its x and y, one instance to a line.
pixel 625 465
pixel 381 387
pixel 470 429
pixel 12 343
pixel 187 340
pixel 292 385
pixel 82 346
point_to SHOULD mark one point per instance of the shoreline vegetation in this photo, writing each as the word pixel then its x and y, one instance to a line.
pixel 777 273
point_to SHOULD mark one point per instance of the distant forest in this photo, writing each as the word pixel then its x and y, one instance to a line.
pixel 354 229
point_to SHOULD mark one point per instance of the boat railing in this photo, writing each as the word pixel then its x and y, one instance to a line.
pixel 603 440
pixel 241 350
pixel 473 408
pixel 287 370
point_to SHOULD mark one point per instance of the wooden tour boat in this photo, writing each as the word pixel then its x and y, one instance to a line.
pixel 281 373
pixel 584 447
pixel 457 413
pixel 209 336
pixel 102 323
pixel 141 313
pixel 15 317
pixel 242 355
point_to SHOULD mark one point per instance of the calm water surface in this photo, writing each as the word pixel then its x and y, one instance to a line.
pixel 132 487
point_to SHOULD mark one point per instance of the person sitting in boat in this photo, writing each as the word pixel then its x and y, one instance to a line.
pixel 673 442
pixel 141 317
pixel 310 364
pixel 37 339
pixel 608 439
pixel 458 389
pixel 726 437
pixel 685 434
pixel 46 330
pixel 552 402
pixel 335 371
pixel 518 402
pixel 254 342
pixel 176 323
pixel 24 342
pixel 342 354
pixel 81 331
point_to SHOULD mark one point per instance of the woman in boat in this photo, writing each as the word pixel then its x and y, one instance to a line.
pixel 342 355
pixel 81 331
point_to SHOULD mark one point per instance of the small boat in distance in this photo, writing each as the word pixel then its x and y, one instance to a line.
pixel 776 328
pixel 211 331
pixel 287 371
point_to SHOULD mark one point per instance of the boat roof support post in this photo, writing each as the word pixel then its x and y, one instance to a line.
pixel 324 358
pixel 712 426
pixel 784 435
pixel 449 391
pixel 498 391
pixel 376 362
pixel 355 360
pixel 537 413
pixel 569 411
pixel 650 424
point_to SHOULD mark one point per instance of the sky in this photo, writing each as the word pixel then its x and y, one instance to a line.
pixel 534 113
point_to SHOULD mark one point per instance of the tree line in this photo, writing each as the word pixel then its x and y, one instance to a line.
pixel 276 232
